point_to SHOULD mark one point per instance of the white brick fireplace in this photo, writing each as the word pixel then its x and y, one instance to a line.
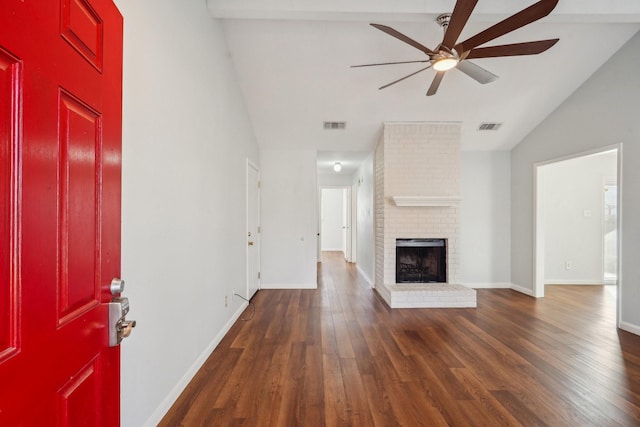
pixel 417 171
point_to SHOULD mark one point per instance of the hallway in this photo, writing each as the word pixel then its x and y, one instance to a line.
pixel 338 356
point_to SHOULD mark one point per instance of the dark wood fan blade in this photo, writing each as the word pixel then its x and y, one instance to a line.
pixel 459 18
pixel 405 77
pixel 476 72
pixel 390 63
pixel 404 38
pixel 435 83
pixel 524 17
pixel 528 48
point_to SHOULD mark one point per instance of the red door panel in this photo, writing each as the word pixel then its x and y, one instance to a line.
pixel 82 28
pixel 79 398
pixel 80 140
pixel 9 91
pixel 60 167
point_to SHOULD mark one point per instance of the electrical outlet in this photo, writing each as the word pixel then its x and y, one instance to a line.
pixel 226 301
pixel 567 265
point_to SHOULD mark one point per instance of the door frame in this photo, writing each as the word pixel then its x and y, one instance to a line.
pixel 349 207
pixel 354 222
pixel 538 223
pixel 250 165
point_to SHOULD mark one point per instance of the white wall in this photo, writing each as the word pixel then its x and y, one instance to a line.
pixel 186 138
pixel 289 219
pixel 331 232
pixel 603 111
pixel 485 219
pixel 365 241
pixel 573 211
pixel 334 179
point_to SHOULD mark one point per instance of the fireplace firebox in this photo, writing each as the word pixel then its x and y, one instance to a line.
pixel 421 260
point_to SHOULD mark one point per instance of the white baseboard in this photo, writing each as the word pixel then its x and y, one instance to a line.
pixel 629 327
pixel 572 282
pixel 488 285
pixel 522 290
pixel 173 395
pixel 288 285
pixel 364 276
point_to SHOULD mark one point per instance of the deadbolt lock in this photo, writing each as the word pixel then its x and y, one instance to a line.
pixel 119 326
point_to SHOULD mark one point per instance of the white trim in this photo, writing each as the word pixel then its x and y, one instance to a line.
pixel 175 392
pixel 619 237
pixel 629 327
pixel 354 222
pixel 538 237
pixel 522 290
pixel 426 201
pixel 288 285
pixel 364 276
pixel 567 282
pixel 384 293
pixel 591 152
pixel 488 285
pixel 258 238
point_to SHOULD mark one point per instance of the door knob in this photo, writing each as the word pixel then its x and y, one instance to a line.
pixel 250 243
pixel 117 286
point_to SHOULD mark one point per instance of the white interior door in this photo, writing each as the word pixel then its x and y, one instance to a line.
pixel 332 232
pixel 346 223
pixel 253 230
pixel 354 222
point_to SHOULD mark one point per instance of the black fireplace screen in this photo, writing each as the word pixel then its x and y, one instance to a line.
pixel 421 260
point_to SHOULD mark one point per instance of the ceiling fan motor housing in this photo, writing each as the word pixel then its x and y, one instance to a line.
pixel 443 20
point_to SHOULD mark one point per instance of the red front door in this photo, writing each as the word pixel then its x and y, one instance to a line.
pixel 60 161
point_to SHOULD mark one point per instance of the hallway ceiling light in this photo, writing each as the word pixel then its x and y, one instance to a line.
pixel 337 167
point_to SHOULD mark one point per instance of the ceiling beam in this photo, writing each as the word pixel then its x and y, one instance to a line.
pixel 569 11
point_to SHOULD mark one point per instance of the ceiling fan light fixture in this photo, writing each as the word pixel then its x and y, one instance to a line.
pixel 445 64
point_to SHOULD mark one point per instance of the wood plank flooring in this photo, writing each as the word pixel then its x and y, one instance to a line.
pixel 337 356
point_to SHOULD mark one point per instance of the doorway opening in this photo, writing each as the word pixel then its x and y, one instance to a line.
pixel 576 226
pixel 336 221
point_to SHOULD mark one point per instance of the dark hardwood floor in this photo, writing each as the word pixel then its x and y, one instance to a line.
pixel 338 356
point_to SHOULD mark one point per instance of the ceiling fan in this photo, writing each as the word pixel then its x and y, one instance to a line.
pixel 449 54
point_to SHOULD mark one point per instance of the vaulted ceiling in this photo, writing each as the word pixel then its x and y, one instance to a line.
pixel 293 60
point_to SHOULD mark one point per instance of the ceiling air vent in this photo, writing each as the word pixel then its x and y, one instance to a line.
pixel 489 126
pixel 335 125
